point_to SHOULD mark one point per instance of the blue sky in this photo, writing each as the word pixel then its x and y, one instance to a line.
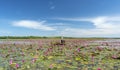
pixel 74 18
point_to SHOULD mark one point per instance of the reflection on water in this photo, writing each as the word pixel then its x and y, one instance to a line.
pixel 15 42
pixel 111 43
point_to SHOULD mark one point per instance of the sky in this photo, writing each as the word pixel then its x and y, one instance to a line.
pixel 71 18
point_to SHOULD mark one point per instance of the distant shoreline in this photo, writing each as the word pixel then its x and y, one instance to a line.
pixel 54 37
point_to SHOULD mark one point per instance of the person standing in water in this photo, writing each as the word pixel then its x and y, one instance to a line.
pixel 62 41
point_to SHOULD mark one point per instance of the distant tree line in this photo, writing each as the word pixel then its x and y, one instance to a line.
pixel 32 37
pixel 54 37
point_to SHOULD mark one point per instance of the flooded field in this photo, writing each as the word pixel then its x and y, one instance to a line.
pixel 51 54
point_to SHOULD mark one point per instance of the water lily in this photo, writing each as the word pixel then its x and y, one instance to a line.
pixel 33 60
pixel 13 65
pixel 23 61
pixel 77 58
pixel 17 65
pixel 78 49
pixel 99 69
pixel 11 61
pixel 52 66
pixel 36 57
pixel 50 57
pixel 99 48
pixel 114 56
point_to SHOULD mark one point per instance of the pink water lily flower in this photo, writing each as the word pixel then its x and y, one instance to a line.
pixel 23 61
pixel 99 69
pixel 17 65
pixel 51 66
pixel 78 49
pixel 114 56
pixel 11 61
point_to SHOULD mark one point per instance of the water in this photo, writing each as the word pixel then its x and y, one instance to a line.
pixel 15 42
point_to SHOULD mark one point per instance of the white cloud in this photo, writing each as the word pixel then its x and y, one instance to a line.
pixel 104 26
pixel 40 25
pixel 106 22
pixel 73 32
pixel 59 24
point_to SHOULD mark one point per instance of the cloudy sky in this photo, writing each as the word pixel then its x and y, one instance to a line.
pixel 74 18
